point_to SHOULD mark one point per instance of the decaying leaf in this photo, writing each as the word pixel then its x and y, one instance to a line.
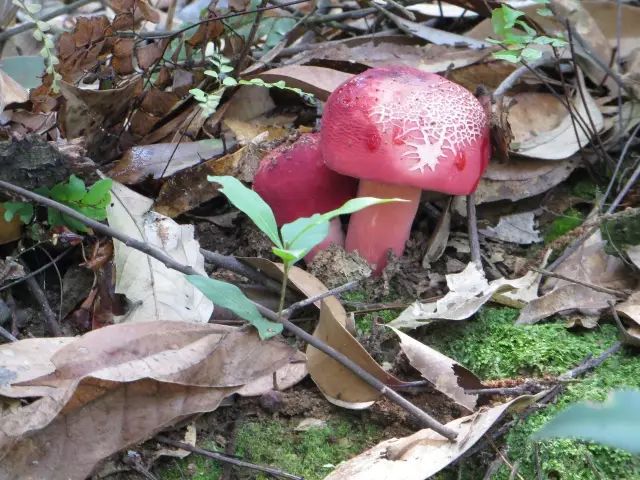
pixel 117 386
pixel 11 91
pixel 515 228
pixel 155 291
pixel 445 374
pixel 538 133
pixel 468 291
pixel 318 81
pixel 423 454
pixel 338 384
pixel 162 159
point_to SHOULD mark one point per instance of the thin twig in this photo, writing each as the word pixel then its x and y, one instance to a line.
pixel 597 288
pixel 244 53
pixel 311 300
pixel 614 175
pixel 37 271
pixel 7 334
pixel 472 220
pixel 24 27
pixel 514 76
pixel 226 458
pixel 424 418
pixel 41 298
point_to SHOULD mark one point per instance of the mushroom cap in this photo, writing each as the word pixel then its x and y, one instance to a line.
pixel 295 182
pixel 405 126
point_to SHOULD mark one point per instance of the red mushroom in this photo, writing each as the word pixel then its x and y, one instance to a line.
pixel 400 131
pixel 295 182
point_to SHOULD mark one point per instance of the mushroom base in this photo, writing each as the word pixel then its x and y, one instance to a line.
pixel 376 230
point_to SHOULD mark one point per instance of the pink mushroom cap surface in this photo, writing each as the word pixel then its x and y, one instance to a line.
pixel 400 131
pixel 404 126
pixel 295 183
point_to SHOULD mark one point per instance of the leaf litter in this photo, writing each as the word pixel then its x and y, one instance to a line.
pixel 126 105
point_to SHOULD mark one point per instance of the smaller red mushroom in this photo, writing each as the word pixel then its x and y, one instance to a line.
pixel 295 183
pixel 400 131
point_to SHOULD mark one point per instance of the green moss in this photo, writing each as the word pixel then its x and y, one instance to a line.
pixel 310 454
pixel 621 233
pixel 570 460
pixel 585 189
pixel 571 219
pixel 364 321
pixel 492 346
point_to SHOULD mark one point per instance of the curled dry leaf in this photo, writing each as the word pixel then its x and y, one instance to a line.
pixel 543 129
pixel 445 374
pixel 11 91
pixel 117 386
pixel 338 384
pixel 162 159
pixel 423 454
pixel 468 291
pixel 515 228
pixel 155 291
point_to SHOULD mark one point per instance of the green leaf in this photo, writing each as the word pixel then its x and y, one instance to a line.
pixel 25 70
pixel 544 12
pixel 54 217
pixel 43 26
pixel 76 189
pixel 250 203
pixel 504 18
pixel 615 423
pixel 211 73
pixel 33 7
pixel 289 256
pixel 99 194
pixel 229 82
pixel 229 296
pixel 73 224
pixel 22 209
pixel 226 68
pixel 305 233
pixel 512 56
pixel 530 54
pixel 37 34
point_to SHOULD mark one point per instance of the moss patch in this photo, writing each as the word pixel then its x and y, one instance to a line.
pixel 493 347
pixel 571 219
pixel 309 454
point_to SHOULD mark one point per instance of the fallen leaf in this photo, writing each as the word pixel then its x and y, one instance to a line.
pixel 162 159
pixel 318 81
pixel 564 299
pixel 9 231
pixel 119 385
pixel 515 228
pixel 155 291
pixel 11 91
pixel 541 135
pixel 468 291
pixel 338 384
pixel 445 374
pixel 423 454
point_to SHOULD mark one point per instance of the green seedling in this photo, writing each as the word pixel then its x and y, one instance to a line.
pixel 91 202
pixel 291 243
pixel 516 37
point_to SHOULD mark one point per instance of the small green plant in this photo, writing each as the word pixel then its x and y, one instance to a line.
pixel 222 69
pixel 516 37
pixel 40 34
pixel 291 244
pixel 91 202
pixel 570 219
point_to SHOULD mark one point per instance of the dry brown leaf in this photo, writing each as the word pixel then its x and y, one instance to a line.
pixel 564 299
pixel 189 188
pixel 119 385
pixel 543 129
pixel 11 91
pixel 338 384
pixel 319 81
pixel 518 179
pixel 162 160
pixel 9 231
pixel 87 113
pixel 445 374
pixel 423 454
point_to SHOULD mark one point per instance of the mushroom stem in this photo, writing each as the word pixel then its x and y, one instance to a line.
pixel 375 230
pixel 335 235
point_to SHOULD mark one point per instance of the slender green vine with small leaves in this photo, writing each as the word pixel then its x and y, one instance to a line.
pixel 516 37
pixel 41 35
pixel 221 70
